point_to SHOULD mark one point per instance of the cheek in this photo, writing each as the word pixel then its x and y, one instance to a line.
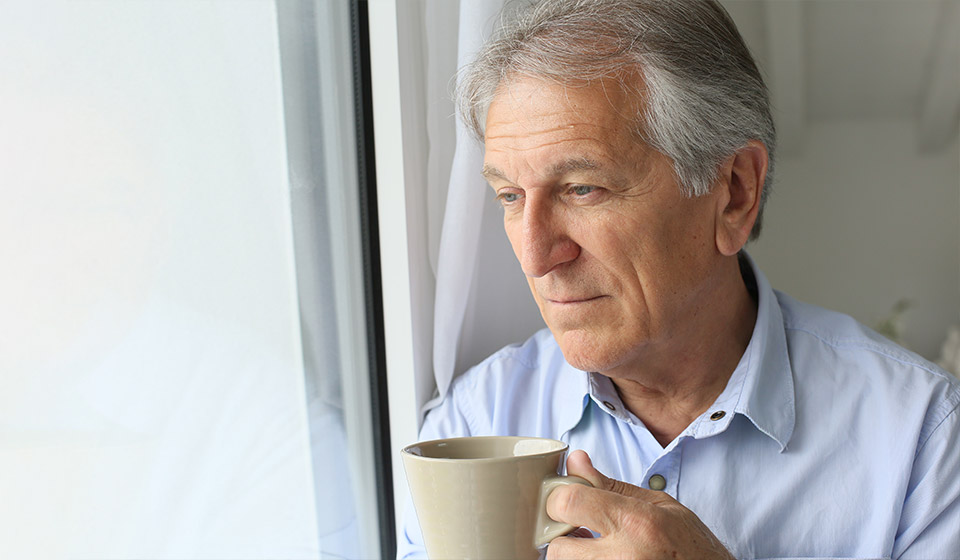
pixel 622 242
pixel 675 232
pixel 640 256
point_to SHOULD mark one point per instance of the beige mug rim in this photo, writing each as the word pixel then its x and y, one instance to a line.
pixel 406 451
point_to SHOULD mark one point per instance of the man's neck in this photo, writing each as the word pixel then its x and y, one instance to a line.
pixel 677 380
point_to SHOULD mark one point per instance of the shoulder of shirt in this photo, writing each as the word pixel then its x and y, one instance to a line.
pixel 853 341
pixel 536 353
pixel 842 331
pixel 515 377
pixel 522 389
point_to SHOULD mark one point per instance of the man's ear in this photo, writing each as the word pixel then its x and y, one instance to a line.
pixel 739 186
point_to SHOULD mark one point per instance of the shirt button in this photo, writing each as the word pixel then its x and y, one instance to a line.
pixel 718 415
pixel 608 405
pixel 657 482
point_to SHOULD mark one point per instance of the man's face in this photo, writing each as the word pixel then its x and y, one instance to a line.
pixel 617 258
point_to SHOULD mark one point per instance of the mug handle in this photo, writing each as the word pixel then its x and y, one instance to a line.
pixel 547 528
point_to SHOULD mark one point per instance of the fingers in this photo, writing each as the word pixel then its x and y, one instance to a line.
pixel 583 506
pixel 581 533
pixel 633 522
pixel 579 464
pixel 569 548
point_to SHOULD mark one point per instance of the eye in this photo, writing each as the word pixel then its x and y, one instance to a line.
pixel 507 198
pixel 582 190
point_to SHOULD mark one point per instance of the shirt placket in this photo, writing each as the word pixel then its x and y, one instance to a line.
pixel 664 474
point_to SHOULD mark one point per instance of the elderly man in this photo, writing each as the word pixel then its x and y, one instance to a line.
pixel 630 144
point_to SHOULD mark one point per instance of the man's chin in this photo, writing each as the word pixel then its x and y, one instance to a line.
pixel 588 350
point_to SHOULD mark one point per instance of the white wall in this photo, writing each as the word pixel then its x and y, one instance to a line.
pixel 860 220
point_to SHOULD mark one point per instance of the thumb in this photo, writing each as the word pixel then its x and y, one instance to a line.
pixel 579 464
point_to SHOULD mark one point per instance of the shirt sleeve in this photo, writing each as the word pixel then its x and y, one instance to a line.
pixel 448 419
pixel 930 520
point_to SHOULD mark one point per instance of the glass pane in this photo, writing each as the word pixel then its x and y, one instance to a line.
pixel 164 323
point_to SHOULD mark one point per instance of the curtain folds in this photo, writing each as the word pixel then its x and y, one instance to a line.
pixel 481 299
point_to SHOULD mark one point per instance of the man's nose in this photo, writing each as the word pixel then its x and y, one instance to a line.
pixel 544 239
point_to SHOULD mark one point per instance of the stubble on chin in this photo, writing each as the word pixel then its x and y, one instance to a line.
pixel 587 350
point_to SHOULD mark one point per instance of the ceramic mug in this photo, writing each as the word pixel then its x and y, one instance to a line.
pixel 485 497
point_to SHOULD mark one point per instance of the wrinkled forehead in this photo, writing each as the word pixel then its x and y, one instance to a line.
pixel 528 113
pixel 618 99
pixel 539 129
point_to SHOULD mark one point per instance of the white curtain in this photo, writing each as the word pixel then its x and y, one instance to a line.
pixel 480 298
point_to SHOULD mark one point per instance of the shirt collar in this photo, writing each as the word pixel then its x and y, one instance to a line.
pixel 760 388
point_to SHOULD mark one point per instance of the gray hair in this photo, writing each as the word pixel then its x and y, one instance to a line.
pixel 703 97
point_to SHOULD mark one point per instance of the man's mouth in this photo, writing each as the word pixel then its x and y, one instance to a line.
pixel 568 300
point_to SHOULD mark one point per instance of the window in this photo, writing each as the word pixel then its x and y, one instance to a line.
pixel 187 309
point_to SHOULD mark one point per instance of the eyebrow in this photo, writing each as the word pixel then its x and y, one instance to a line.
pixel 491 172
pixel 573 164
pixel 582 163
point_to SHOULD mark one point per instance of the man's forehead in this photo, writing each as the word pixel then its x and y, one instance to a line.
pixel 532 113
pixel 574 168
pixel 563 167
pixel 620 95
pixel 545 130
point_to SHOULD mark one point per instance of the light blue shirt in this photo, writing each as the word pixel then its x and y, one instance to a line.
pixel 828 441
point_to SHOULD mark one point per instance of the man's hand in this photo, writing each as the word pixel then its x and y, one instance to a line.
pixel 633 522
